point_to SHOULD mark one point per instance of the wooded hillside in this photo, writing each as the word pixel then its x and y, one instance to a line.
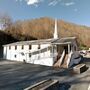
pixel 43 28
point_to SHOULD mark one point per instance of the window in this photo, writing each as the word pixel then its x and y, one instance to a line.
pixel 22 46
pixel 15 47
pixel 70 48
pixel 9 47
pixel 29 54
pixel 29 46
pixel 24 60
pixel 22 53
pixel 38 56
pixel 39 46
pixel 15 56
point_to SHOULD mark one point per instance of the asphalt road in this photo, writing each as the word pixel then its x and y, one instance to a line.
pixel 17 76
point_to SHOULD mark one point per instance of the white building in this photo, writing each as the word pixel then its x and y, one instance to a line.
pixel 51 52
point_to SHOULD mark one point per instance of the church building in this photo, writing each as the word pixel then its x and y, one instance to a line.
pixel 58 52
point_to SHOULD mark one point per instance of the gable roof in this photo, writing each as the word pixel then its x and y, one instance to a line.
pixel 66 40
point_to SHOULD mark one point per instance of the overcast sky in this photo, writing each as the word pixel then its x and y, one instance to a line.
pixel 75 11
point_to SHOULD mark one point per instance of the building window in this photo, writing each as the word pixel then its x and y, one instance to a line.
pixel 24 60
pixel 39 46
pixel 29 47
pixel 15 47
pixel 38 56
pixel 29 54
pixel 22 53
pixel 15 56
pixel 9 47
pixel 22 46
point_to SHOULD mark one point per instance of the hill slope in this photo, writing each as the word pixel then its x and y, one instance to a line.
pixel 44 28
pixel 6 38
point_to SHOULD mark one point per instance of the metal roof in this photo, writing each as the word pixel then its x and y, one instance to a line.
pixel 44 41
pixel 65 40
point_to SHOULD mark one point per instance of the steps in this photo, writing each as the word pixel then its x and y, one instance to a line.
pixel 45 85
pixel 57 64
pixel 64 63
pixel 59 60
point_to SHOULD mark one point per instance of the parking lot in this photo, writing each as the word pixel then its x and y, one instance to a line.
pixel 19 75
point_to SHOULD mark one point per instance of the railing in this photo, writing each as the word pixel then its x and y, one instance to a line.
pixel 39 51
pixel 38 54
pixel 62 57
pixel 69 58
pixel 38 57
pixel 59 61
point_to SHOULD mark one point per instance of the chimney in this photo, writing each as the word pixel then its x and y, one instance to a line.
pixel 55 30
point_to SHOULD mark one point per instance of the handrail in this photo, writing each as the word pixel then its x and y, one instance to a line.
pixel 58 63
pixel 62 57
pixel 69 58
pixel 40 50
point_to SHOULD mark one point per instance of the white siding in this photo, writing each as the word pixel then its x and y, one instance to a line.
pixel 45 61
pixel 44 45
pixel 5 52
pixel 9 53
pixel 20 54
pixel 34 47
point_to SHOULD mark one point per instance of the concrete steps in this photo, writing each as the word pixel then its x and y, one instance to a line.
pixel 64 63
pixel 45 85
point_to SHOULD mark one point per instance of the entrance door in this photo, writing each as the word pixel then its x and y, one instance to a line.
pixel 66 49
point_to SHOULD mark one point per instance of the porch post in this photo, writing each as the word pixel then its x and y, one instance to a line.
pixel 52 52
pixel 5 52
pixel 68 48
pixel 47 51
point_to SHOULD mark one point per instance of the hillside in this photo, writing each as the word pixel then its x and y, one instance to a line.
pixel 6 38
pixel 43 28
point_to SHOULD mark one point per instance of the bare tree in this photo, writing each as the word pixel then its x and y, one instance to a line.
pixel 5 21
